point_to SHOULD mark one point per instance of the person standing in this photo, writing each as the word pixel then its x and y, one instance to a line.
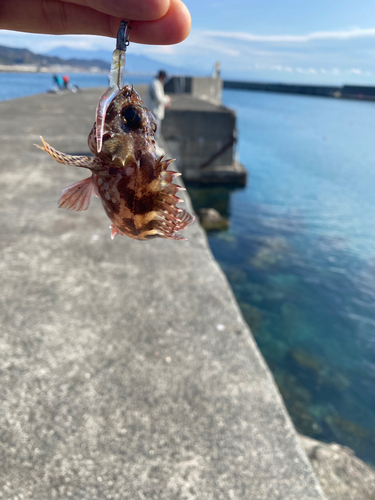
pixel 58 81
pixel 157 101
pixel 66 82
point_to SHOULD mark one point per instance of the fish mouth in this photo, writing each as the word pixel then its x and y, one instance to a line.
pixel 117 149
pixel 123 161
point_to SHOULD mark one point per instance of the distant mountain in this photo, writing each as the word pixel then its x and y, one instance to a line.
pixel 10 55
pixel 88 59
pixel 70 53
pixel 135 63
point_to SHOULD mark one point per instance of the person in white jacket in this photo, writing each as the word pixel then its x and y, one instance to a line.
pixel 156 103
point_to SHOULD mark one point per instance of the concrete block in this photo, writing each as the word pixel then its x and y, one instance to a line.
pixel 205 88
pixel 195 134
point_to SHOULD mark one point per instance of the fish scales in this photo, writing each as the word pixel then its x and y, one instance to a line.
pixel 133 184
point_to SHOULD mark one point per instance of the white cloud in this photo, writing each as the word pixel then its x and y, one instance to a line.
pixel 306 57
pixel 155 49
pixel 42 43
pixel 318 35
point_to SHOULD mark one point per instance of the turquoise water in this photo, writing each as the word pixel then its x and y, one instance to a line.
pixel 300 252
pixel 300 255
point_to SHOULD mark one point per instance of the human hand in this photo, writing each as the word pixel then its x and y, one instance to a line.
pixel 157 22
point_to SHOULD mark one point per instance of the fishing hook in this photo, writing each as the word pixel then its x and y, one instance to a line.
pixel 116 79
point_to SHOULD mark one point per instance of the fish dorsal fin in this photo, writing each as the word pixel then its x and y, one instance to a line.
pixel 77 196
pixel 184 219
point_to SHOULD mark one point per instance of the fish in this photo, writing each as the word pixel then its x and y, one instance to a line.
pixel 132 182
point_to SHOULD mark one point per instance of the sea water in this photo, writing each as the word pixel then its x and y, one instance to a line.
pixel 13 85
pixel 300 255
pixel 300 251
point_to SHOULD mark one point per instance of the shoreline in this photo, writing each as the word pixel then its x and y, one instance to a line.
pixel 34 68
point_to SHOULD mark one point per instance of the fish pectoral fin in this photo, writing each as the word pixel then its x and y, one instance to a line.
pixel 73 161
pixel 78 196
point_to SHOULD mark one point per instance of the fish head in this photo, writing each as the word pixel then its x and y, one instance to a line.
pixel 129 130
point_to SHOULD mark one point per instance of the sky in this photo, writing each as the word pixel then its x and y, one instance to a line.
pixel 292 41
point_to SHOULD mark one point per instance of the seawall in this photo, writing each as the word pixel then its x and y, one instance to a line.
pixel 127 370
pixel 201 133
pixel 361 92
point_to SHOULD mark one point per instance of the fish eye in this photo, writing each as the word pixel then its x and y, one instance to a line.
pixel 132 117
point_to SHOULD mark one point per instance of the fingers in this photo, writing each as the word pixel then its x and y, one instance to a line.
pixel 140 10
pixel 51 17
pixel 172 28
pixel 65 17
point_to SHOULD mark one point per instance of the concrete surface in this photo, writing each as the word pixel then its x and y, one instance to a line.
pixel 126 368
pixel 202 136
pixel 206 88
pixel 195 130
pixel 341 474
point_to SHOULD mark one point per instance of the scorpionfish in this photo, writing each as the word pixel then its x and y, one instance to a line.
pixel 133 184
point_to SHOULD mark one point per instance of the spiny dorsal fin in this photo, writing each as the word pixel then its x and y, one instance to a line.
pixel 162 165
pixel 185 219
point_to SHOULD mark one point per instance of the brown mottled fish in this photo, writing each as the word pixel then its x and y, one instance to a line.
pixel 134 186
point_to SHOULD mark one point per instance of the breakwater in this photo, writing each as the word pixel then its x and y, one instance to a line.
pixel 128 370
pixel 346 91
pixel 201 133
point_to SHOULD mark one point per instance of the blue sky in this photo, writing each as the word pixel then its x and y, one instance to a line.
pixel 261 40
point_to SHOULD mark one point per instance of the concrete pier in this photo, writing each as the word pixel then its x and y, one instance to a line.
pixel 206 88
pixel 126 369
pixel 361 92
pixel 201 133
